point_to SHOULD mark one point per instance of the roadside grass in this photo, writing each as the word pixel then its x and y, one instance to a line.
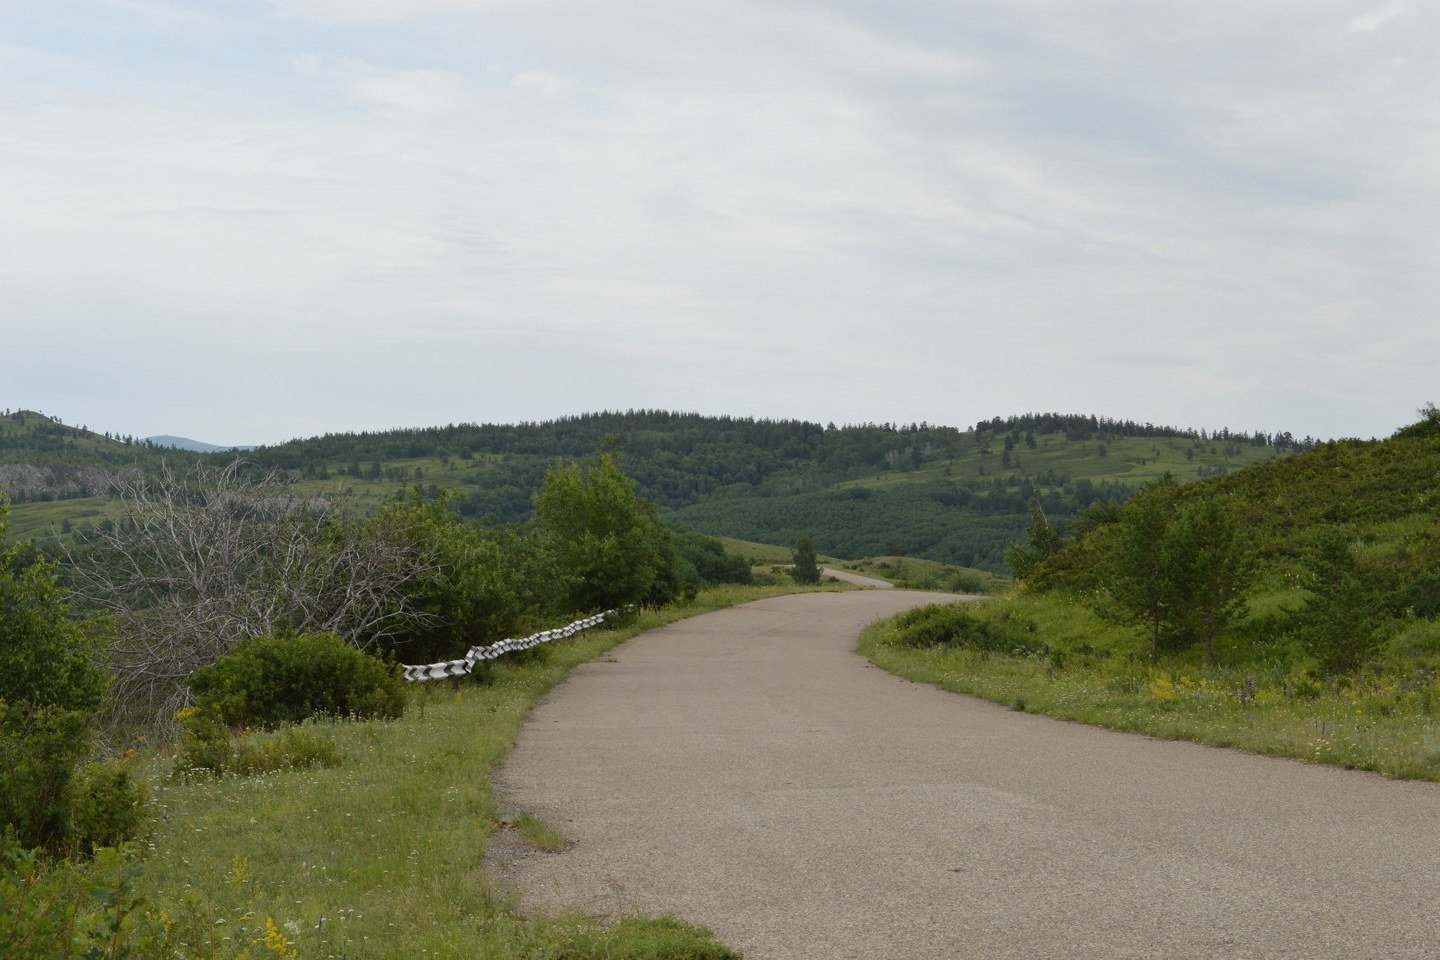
pixel 382 856
pixel 1096 672
pixel 539 834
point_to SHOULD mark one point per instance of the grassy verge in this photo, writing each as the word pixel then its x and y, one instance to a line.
pixel 1091 671
pixel 758 553
pixel 382 856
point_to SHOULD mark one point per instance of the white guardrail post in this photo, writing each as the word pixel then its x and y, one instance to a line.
pixel 458 668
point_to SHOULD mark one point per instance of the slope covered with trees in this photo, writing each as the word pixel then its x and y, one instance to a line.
pixel 1354 518
pixel 918 489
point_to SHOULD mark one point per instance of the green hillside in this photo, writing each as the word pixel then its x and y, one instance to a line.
pixel 1292 607
pixel 938 492
pixel 33 438
pixel 1382 497
pixel 964 504
pixel 59 476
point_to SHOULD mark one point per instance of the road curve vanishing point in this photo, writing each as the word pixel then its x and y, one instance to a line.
pixel 858 579
pixel 746 770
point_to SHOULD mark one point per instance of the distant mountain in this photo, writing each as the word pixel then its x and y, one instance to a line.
pixel 185 443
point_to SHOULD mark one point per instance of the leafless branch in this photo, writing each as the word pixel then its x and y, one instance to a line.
pixel 202 559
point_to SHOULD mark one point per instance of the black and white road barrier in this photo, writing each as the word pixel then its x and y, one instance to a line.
pixel 458 668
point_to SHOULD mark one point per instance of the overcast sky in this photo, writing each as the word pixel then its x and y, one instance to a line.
pixel 248 220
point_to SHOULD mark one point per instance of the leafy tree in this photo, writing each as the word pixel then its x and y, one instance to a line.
pixel 474 587
pixel 677 579
pixel 1180 572
pixel 1427 426
pixel 51 683
pixel 806 569
pixel 607 541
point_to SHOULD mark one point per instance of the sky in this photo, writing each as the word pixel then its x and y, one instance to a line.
pixel 248 220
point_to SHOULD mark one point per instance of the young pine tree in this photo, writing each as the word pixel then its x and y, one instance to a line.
pixel 806 569
pixel 1338 625
pixel 1141 578
pixel 1209 568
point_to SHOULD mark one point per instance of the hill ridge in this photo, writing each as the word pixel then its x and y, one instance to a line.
pixel 918 489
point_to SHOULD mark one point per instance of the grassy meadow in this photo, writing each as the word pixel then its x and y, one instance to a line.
pixel 49 520
pixel 761 554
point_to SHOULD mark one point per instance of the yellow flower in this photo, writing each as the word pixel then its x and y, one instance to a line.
pixel 276 942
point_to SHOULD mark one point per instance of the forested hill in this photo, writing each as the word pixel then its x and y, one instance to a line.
pixel 1330 555
pixel 1380 491
pixel 42 459
pixel 963 502
pixel 857 490
pixel 32 438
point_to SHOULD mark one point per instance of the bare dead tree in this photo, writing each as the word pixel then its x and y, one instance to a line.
pixel 198 561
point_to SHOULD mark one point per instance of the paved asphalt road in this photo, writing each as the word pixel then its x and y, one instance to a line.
pixel 747 771
pixel 857 578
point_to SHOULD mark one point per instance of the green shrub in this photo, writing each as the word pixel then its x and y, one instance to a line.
pixel 37 916
pixel 39 749
pixel 966 582
pixel 1338 625
pixel 286 678
pixel 953 625
pixel 1420 597
pixel 82 909
pixel 108 808
pixel 206 746
pixel 707 555
pixel 51 683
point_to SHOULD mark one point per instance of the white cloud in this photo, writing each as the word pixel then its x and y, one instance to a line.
pixel 923 211
pixel 541 83
pixel 419 91
pixel 1374 20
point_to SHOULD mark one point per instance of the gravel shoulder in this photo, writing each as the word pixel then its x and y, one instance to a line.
pixel 746 770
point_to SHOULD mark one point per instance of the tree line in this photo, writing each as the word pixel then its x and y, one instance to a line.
pixel 1083 427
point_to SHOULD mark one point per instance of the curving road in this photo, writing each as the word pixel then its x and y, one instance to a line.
pixel 858 579
pixel 747 771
